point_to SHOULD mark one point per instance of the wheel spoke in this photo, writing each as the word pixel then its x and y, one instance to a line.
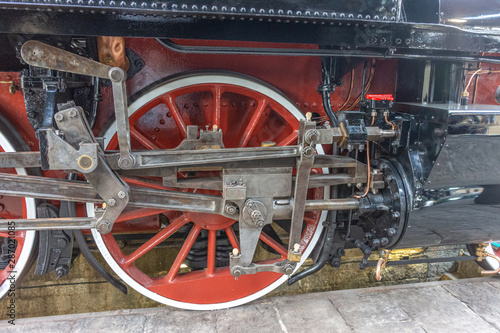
pixel 142 139
pixel 274 244
pixel 138 213
pixel 217 94
pixel 157 239
pixel 170 103
pixel 4 234
pixel 289 139
pixel 212 249
pixel 232 238
pixel 188 244
pixel 253 122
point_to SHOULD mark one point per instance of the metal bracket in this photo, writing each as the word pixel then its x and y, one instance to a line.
pixel 253 216
pixel 208 139
pixel 50 103
pixel 107 183
pixel 42 55
pixel 237 269
pixel 308 136
pixel 52 146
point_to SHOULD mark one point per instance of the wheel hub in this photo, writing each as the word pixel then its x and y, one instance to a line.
pixel 210 221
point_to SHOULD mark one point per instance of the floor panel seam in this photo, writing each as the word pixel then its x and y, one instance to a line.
pixel 470 308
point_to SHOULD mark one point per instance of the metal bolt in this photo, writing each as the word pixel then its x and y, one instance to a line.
pixel 312 136
pixel 61 271
pixel 59 117
pixel 235 252
pixel 236 272
pixel 116 74
pixel 288 269
pixel 104 227
pixel 296 247
pixel 255 214
pixel 395 215
pixel 72 113
pixel 61 242
pixel 260 223
pixel 308 152
pixel 231 208
pixel 121 194
pixel 111 202
pixel 391 231
pixel 125 162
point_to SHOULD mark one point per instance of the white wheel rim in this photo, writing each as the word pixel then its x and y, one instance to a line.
pixel 168 87
pixel 29 239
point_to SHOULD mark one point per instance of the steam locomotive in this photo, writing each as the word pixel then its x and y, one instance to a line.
pixel 228 129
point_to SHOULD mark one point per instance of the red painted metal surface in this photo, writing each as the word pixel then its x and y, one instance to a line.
pixel 296 77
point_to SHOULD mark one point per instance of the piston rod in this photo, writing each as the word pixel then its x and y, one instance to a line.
pixel 333 204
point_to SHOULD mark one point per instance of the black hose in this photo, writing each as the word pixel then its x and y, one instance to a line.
pixel 82 244
pixel 325 88
pixel 363 86
pixel 323 257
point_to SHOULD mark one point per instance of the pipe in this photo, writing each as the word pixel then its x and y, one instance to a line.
pixel 188 49
pixel 334 204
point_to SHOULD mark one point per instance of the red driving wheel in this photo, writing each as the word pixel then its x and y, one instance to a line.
pixel 248 112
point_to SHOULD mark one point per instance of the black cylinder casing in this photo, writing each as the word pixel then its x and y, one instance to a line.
pixel 451 172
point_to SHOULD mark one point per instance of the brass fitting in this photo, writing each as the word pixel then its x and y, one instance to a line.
pixel 382 261
pixel 112 52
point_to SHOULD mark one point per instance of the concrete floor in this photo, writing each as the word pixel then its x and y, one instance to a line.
pixel 469 305
pixel 83 290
